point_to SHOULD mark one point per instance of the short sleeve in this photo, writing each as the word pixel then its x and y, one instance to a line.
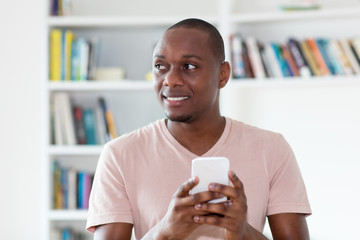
pixel 287 188
pixel 108 202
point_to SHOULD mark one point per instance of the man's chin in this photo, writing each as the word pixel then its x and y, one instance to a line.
pixel 182 119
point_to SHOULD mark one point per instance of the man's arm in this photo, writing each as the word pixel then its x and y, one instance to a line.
pixel 113 231
pixel 289 226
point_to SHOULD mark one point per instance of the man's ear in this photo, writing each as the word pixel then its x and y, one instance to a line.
pixel 225 70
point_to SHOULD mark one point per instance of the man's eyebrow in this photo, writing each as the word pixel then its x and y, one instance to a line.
pixel 192 56
pixel 159 56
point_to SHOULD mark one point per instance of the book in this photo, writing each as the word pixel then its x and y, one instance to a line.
pixel 83 49
pixel 274 65
pixel 93 57
pixel 345 44
pixel 79 125
pixel 294 72
pixel 255 57
pixel 57 193
pixel 266 61
pixel 279 57
pixel 75 60
pixel 67 61
pixel 298 56
pixel 329 56
pixel 341 56
pixel 89 126
pixel 236 57
pixel 249 73
pixel 104 110
pixel 55 54
pixel 71 188
pixel 355 44
pixel 310 58
pixel 319 59
pixel 66 117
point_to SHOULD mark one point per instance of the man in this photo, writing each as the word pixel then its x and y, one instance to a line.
pixel 141 176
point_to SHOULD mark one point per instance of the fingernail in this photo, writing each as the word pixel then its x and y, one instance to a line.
pixel 198 206
pixel 212 186
pixel 196 218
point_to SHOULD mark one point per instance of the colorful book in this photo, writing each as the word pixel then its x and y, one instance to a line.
pixel 55 54
pixel 79 125
pixel 329 56
pixel 236 57
pixel 89 126
pixel 57 193
pixel 279 57
pixel 310 58
pixel 274 65
pixel 299 59
pixel 294 72
pixel 341 56
pixel 69 37
pixel 247 65
pixel 255 57
pixel 345 44
pixel 84 59
pixel 319 59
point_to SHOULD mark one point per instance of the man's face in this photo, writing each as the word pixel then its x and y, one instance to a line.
pixel 186 75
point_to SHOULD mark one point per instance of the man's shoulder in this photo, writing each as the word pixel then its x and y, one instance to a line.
pixel 139 136
pixel 250 131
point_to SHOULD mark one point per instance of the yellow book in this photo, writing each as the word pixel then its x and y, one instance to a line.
pixel 55 54
pixel 111 124
pixel 69 36
pixel 310 58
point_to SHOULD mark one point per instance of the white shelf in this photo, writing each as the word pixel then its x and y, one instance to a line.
pixel 117 21
pixel 125 85
pixel 75 150
pixel 263 17
pixel 68 215
pixel 330 81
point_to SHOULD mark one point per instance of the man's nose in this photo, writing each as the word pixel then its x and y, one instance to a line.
pixel 173 78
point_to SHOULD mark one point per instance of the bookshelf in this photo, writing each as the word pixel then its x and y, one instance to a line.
pixel 128 35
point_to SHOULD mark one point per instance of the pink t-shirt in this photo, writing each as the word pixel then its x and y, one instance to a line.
pixel 138 173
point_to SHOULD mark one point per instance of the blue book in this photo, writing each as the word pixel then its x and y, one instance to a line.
pixel 280 59
pixel 320 43
pixel 90 126
pixel 80 189
pixel 75 60
pixel 336 65
pixel 63 58
pixel 64 187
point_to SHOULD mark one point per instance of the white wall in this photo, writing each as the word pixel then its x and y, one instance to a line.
pixel 21 59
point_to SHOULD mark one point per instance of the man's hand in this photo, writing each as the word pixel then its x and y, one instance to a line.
pixel 178 223
pixel 231 214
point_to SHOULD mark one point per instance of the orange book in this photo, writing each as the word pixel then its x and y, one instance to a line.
pixel 324 70
pixel 290 61
pixel 310 58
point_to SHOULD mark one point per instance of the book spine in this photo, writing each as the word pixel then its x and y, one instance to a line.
pixel 333 60
pixel 310 58
pixel 347 50
pixel 290 61
pixel 280 60
pixel 299 59
pixel 324 70
pixel 79 125
pixel 236 54
pixel 69 36
pixel 89 125
pixel 273 62
pixel 339 53
pixel 255 58
pixel 321 45
pixel 55 54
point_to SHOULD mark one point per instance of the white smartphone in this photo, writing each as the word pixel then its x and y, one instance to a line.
pixel 208 170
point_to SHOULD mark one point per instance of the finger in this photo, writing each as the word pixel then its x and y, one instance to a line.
pixel 213 220
pixel 236 181
pixel 183 190
pixel 202 197
pixel 223 208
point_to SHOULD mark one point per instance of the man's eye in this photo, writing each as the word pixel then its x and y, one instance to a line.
pixel 189 66
pixel 159 66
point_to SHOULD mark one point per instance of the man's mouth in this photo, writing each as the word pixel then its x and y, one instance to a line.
pixel 176 98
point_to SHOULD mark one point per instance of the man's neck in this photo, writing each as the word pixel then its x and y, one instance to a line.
pixel 198 137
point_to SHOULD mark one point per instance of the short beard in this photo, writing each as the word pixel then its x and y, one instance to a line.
pixel 182 119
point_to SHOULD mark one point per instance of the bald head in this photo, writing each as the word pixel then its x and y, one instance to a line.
pixel 216 43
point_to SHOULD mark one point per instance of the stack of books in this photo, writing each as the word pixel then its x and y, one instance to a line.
pixel 72 58
pixel 294 58
pixel 71 187
pixel 76 125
